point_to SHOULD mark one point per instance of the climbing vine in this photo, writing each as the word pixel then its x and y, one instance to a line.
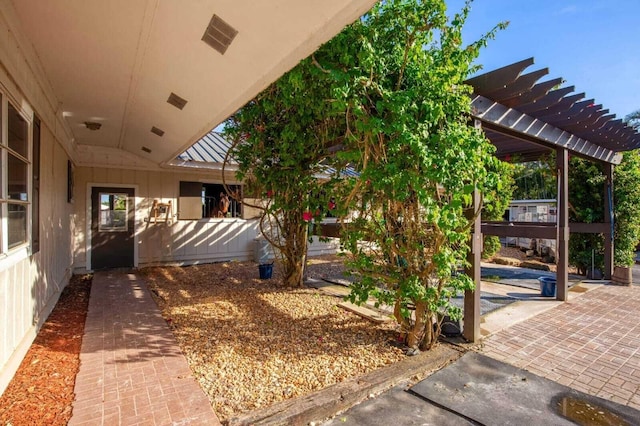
pixel 386 97
pixel 282 139
pixel 400 80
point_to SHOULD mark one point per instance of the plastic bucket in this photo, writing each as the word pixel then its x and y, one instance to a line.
pixel 266 270
pixel 547 286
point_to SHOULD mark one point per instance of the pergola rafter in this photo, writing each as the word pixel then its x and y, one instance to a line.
pixel 526 118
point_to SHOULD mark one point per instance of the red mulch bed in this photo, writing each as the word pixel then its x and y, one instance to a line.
pixel 41 392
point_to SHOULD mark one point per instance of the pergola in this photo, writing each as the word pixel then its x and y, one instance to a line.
pixel 526 118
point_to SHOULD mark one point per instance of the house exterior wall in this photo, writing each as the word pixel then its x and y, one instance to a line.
pixel 177 241
pixel 30 284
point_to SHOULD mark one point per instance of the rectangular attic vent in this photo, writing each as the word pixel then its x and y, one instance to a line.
pixel 145 149
pixel 176 101
pixel 219 34
pixel 157 131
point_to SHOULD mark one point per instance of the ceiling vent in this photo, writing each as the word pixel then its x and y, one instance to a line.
pixel 176 101
pixel 147 150
pixel 157 131
pixel 219 34
pixel 92 125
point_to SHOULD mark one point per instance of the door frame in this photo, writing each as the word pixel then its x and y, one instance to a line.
pixel 88 216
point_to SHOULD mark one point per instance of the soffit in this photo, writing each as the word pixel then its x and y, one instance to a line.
pixel 116 62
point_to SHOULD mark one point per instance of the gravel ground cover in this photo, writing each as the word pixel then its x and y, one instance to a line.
pixel 252 342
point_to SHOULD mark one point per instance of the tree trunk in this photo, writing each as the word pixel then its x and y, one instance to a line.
pixel 418 330
pixel 295 253
pixel 404 323
pixel 431 335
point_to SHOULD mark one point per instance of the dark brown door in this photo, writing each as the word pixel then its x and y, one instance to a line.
pixel 112 227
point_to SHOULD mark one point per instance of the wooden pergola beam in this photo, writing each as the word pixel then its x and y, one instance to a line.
pixel 471 319
pixel 562 245
pixel 516 124
pixel 608 218
pixel 520 229
pixel 546 230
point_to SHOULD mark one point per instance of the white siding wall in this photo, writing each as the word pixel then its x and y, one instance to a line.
pixel 31 284
pixel 30 287
pixel 181 241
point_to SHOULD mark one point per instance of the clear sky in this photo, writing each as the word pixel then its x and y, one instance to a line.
pixel 593 44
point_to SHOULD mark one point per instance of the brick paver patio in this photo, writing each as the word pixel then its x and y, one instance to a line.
pixel 132 371
pixel 591 343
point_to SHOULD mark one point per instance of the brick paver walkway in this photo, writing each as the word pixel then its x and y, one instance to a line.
pixel 132 371
pixel 591 344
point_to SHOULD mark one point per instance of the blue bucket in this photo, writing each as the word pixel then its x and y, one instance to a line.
pixel 266 270
pixel 547 286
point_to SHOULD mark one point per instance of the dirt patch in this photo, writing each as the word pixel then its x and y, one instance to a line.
pixel 515 257
pixel 251 343
pixel 41 392
pixel 512 252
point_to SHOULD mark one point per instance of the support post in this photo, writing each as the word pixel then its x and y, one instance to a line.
pixel 562 243
pixel 608 219
pixel 471 326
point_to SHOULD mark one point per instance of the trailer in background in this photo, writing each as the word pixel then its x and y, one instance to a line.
pixel 533 211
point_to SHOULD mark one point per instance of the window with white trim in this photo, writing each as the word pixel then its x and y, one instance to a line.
pixel 15 177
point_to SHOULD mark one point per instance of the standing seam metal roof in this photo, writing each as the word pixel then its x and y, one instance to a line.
pixel 212 148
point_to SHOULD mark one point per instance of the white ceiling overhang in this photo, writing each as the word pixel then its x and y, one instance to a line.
pixel 116 62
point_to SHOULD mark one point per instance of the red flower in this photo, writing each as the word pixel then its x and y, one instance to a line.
pixel 307 216
pixel 270 193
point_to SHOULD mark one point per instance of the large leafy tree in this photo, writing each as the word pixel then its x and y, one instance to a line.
pixel 496 202
pixel 587 198
pixel 626 211
pixel 281 139
pixel 535 180
pixel 399 79
pixel 586 195
pixel 389 91
pixel 633 119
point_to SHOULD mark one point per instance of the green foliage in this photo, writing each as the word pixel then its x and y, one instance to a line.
pixel 536 180
pixel 627 214
pixel 281 138
pixel 633 119
pixel 399 76
pixel 587 200
pixel 388 89
pixel 491 246
pixel 496 202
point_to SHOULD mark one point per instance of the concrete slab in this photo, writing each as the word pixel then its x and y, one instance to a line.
pixel 489 302
pixel 530 304
pixel 521 310
pixel 325 403
pixel 519 277
pixel 487 391
pixel 326 287
pixel 365 312
pixel 511 291
pixel 397 407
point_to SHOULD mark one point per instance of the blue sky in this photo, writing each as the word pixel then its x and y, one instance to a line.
pixel 593 44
